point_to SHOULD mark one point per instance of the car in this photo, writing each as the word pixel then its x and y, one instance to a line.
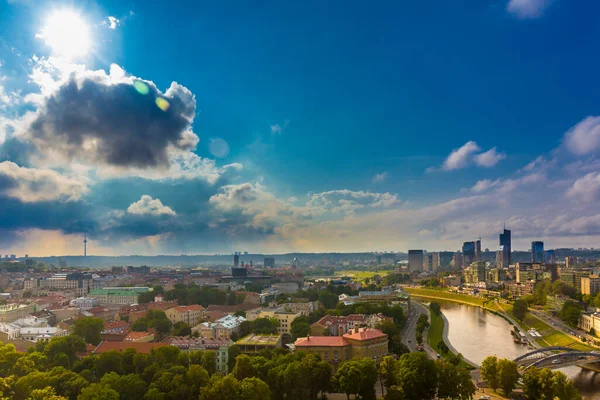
pixel 438 355
pixel 409 340
pixel 555 361
pixel 484 397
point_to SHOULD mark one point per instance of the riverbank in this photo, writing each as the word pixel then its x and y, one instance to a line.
pixel 550 336
pixel 438 332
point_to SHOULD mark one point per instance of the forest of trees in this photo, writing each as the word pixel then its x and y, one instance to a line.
pixel 55 370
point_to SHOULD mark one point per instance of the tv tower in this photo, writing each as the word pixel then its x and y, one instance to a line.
pixel 85 246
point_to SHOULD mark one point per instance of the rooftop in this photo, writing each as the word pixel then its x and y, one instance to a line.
pixel 321 341
pixel 261 340
pixel 132 336
pixel 365 334
pixel 140 347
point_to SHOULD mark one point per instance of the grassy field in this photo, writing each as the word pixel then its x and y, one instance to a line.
pixel 436 330
pixel 444 295
pixel 550 336
pixel 361 275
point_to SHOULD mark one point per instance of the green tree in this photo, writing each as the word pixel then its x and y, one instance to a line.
pixel 416 376
pixel 520 309
pixel 562 288
pixel 564 389
pixel 47 393
pixel 570 312
pixel 508 375
pixel 222 388
pixel 489 371
pixel 209 361
pixel 89 328
pixel 328 299
pixel 254 389
pixel 387 372
pixel 130 387
pixel 532 386
pixel 64 350
pixel 300 327
pixel 435 307
pixel 264 326
pixel 181 329
pixel 454 382
pixel 98 391
pixel 243 368
pixel 347 378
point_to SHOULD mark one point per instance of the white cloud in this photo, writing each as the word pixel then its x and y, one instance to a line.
pixel 584 138
pixel 379 178
pixel 507 185
pixel 31 185
pixel 461 157
pixel 111 22
pixel 489 158
pixel 469 154
pixel 277 128
pixel 149 206
pixel 587 188
pixel 527 8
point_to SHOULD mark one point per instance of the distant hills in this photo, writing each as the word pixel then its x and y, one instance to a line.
pixel 280 259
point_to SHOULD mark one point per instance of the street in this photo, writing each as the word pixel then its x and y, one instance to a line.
pixel 409 334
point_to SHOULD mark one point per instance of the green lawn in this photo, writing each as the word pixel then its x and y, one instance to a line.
pixel 362 275
pixel 551 336
pixel 436 330
pixel 445 295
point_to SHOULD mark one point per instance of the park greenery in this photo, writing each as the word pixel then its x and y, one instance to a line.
pixel 422 324
pixel 59 370
pixel 570 312
pixel 520 309
pixel 537 384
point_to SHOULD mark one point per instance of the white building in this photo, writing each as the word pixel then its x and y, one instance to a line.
pixel 84 302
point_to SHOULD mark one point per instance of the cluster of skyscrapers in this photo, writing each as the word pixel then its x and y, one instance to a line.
pixel 419 260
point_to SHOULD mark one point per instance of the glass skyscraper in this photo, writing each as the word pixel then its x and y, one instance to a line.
pixel 506 248
pixel 537 252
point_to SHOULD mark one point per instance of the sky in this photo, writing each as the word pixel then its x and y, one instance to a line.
pixel 265 126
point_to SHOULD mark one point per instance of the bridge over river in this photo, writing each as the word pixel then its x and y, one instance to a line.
pixel 559 357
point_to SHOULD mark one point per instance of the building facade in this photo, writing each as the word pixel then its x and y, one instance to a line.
pixel 537 252
pixel 415 260
pixel 506 243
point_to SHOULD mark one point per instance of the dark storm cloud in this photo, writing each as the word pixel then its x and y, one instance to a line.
pixel 95 118
pixel 72 217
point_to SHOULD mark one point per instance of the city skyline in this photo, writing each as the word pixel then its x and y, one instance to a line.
pixel 167 129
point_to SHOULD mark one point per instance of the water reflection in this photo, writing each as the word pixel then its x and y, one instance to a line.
pixel 477 334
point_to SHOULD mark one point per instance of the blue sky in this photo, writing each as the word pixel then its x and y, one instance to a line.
pixel 313 126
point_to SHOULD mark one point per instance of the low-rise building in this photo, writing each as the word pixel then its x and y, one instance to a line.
pixel 451 280
pixel 118 295
pixel 222 328
pixel 12 312
pixel 253 343
pixel 191 315
pixel 284 318
pixel 359 342
pixel 590 285
pixel 140 347
pixel 589 321
pixel 219 346
pixel 84 302
pixel 142 337
pixel 518 290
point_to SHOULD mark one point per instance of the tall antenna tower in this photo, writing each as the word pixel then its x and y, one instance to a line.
pixel 85 246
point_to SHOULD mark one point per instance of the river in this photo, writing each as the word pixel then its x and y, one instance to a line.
pixel 477 334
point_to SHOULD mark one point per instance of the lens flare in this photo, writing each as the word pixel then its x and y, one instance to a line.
pixel 162 103
pixel 141 87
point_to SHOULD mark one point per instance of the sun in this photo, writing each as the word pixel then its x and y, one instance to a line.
pixel 67 34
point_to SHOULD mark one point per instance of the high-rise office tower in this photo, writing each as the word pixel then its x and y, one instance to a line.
pixel 549 257
pixel 537 252
pixel 478 250
pixel 236 259
pixel 500 257
pixel 415 260
pixel 468 251
pixel 507 248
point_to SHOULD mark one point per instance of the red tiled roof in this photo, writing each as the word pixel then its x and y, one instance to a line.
pixel 115 325
pixel 365 334
pixel 135 336
pixel 140 347
pixel 320 341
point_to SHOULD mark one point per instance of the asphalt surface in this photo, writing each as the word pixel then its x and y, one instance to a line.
pixel 409 334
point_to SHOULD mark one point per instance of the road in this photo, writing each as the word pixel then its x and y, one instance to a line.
pixel 409 334
pixel 560 326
